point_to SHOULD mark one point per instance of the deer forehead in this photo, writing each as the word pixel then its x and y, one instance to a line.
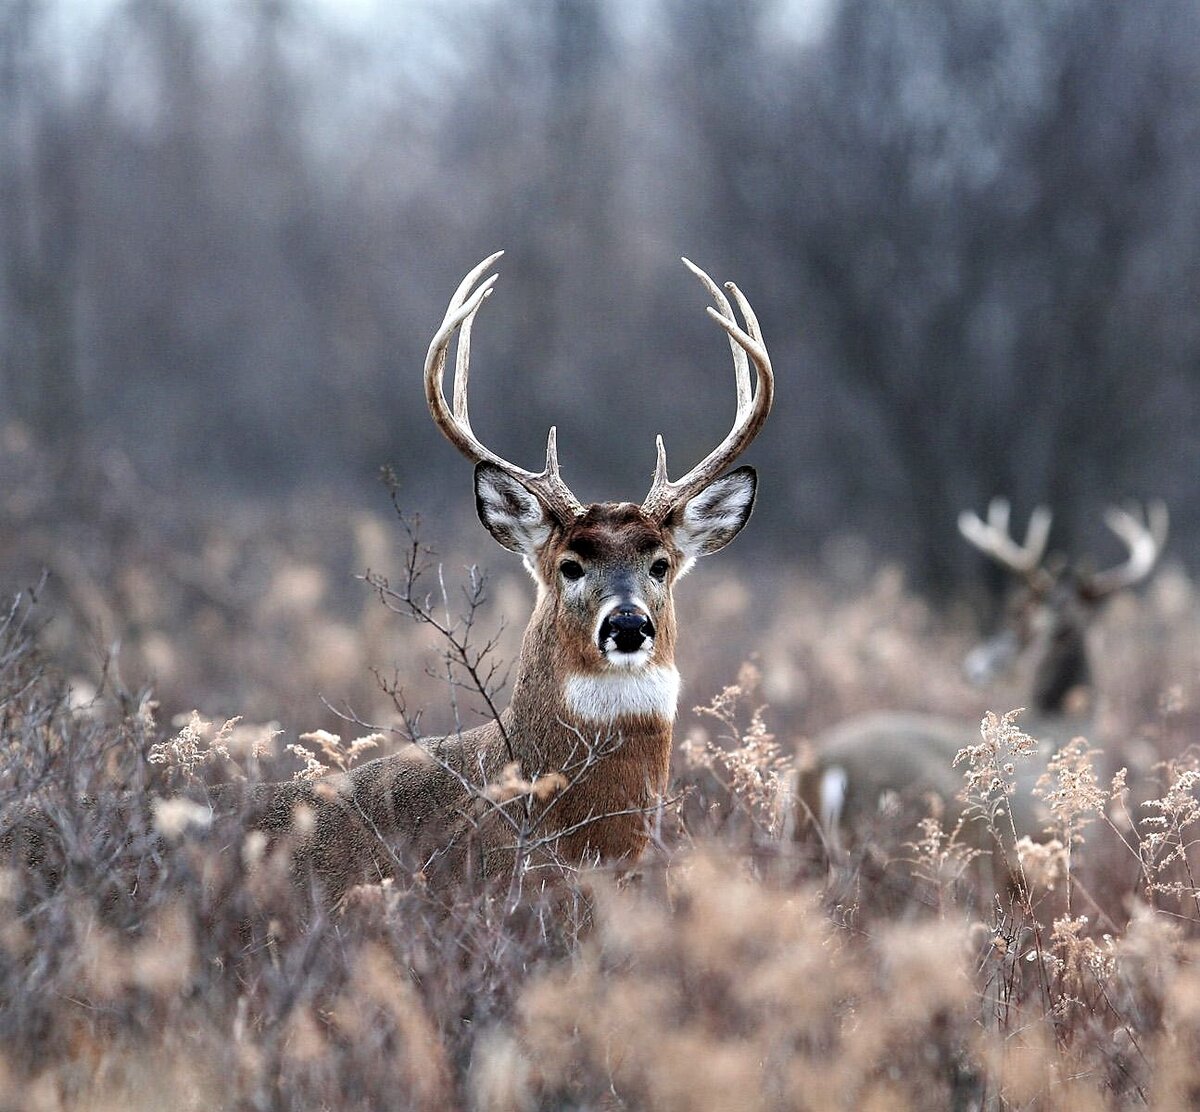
pixel 612 532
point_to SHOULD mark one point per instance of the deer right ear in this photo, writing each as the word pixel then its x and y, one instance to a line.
pixel 708 521
pixel 509 511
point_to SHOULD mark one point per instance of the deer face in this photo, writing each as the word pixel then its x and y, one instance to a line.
pixel 1048 616
pixel 604 624
pixel 1043 623
pixel 608 573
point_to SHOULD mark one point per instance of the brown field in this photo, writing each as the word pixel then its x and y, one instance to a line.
pixel 157 959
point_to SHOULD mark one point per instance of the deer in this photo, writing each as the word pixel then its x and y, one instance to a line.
pixel 886 760
pixel 587 734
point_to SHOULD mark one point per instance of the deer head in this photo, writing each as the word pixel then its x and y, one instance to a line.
pixel 605 572
pixel 1049 614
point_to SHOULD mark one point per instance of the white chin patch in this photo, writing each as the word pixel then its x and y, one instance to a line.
pixel 628 661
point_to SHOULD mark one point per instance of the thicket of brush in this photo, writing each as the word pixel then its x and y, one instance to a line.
pixel 154 956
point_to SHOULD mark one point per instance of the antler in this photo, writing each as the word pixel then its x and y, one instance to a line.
pixel 1145 541
pixel 547 485
pixel 994 539
pixel 752 408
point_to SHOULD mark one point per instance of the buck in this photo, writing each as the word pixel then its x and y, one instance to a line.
pixel 587 735
pixel 890 761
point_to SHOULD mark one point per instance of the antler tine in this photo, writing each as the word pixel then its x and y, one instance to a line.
pixel 547 485
pixel 994 539
pixel 1037 533
pixel 1145 541
pixel 466 285
pixel 741 367
pixel 752 405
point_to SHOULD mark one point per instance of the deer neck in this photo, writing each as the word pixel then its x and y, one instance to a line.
pixel 562 693
pixel 1061 671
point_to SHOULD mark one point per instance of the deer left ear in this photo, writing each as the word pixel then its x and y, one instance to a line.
pixel 509 511
pixel 708 521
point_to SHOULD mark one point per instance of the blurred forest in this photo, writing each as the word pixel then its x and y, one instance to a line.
pixel 228 232
pixel 971 230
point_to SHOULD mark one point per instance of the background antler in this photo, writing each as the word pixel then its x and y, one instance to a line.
pixel 994 539
pixel 1145 541
pixel 752 407
pixel 547 485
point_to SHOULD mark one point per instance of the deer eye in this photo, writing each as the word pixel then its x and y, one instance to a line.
pixel 571 569
pixel 659 569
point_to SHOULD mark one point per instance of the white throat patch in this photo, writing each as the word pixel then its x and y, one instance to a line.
pixel 600 699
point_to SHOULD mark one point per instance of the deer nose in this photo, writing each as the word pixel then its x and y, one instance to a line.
pixel 628 627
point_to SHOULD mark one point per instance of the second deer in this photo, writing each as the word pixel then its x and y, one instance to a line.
pixel 883 760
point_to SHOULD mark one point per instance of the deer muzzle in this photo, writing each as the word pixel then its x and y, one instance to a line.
pixel 625 629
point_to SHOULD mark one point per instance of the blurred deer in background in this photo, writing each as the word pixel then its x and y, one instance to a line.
pixel 887 761
pixel 584 746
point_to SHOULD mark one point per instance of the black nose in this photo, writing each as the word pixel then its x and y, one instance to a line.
pixel 627 627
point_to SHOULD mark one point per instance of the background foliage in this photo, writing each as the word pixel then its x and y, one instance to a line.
pixel 970 229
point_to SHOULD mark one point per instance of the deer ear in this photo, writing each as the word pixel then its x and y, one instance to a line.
pixel 708 521
pixel 508 511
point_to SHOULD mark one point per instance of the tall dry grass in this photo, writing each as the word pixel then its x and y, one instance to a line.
pixel 154 955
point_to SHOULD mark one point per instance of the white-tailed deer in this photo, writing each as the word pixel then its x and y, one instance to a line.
pixel 884 760
pixel 589 725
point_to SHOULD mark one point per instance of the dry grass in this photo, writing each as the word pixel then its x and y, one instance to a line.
pixel 154 956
